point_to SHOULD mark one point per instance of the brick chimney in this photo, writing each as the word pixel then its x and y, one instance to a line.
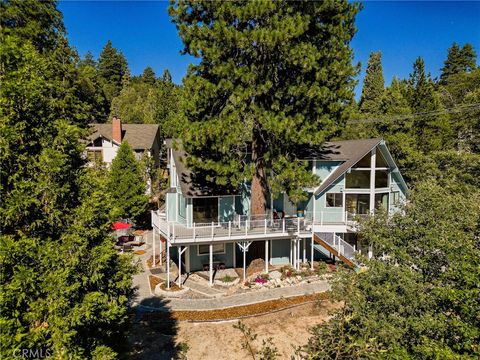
pixel 117 130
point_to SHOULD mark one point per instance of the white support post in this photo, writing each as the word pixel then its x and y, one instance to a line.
pixel 372 180
pixel 283 225
pixel 234 255
pixel 153 248
pixel 246 227
pixel 271 251
pixel 179 249
pixel 168 264
pixel 210 265
pixel 304 251
pixel 291 252
pixel 194 232
pixel 213 229
pixel 311 255
pixel 298 253
pixel 295 253
pixel 298 226
pixel 229 229
pixel 265 230
pixel 160 249
pixel 244 265
pixel 266 255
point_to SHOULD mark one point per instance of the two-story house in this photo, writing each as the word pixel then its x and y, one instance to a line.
pixel 205 226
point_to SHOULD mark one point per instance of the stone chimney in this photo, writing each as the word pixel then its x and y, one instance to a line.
pixel 117 130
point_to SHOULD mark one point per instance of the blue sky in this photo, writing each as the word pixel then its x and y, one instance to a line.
pixel 142 30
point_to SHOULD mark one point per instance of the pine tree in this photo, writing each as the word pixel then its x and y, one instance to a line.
pixel 458 60
pixel 373 85
pixel 126 185
pixel 433 131
pixel 112 67
pixel 273 77
pixel 148 76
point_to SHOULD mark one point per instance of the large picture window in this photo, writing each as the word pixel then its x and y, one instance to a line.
pixel 205 210
pixel 217 249
pixel 357 179
pixel 334 200
pixel 381 178
pixel 357 203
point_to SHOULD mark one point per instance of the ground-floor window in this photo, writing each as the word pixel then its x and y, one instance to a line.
pixel 334 200
pixel 217 249
pixel 205 210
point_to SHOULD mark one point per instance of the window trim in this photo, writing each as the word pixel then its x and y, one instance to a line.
pixel 213 252
pixel 334 194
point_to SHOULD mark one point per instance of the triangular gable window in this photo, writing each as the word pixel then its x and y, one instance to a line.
pixel 364 162
pixel 380 160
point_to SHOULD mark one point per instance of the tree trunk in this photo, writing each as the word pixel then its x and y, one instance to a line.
pixel 259 180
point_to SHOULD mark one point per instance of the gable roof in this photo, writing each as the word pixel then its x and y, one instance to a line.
pixel 138 136
pixel 349 151
pixel 194 184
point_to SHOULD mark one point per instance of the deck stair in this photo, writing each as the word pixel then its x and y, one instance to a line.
pixel 336 246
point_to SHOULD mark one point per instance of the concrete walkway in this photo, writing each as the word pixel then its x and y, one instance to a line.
pixel 203 289
pixel 234 300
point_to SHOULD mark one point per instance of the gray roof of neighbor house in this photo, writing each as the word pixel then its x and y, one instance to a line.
pixel 349 152
pixel 138 136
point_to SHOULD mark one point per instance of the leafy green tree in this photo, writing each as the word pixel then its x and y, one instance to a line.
pixel 112 66
pixel 373 85
pixel 38 22
pixel 419 298
pixel 148 76
pixel 272 77
pixel 458 60
pixel 167 110
pixel 62 284
pixel 136 104
pixel 126 185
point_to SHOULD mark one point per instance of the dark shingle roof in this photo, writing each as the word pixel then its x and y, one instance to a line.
pixel 139 136
pixel 348 151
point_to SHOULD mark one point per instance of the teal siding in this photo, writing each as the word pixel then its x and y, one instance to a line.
pixel 171 206
pixel 330 214
pixel 245 189
pixel 278 202
pixel 226 208
pixel 197 261
pixel 324 168
pixel 280 252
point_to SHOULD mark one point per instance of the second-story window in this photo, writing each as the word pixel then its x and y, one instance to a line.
pixel 334 200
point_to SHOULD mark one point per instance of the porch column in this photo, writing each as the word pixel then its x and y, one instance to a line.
pixel 153 247
pixel 179 249
pixel 291 252
pixel 311 253
pixel 210 266
pixel 244 262
pixel 266 256
pixel 298 253
pixel 234 254
pixel 271 252
pixel 304 250
pixel 294 253
pixel 168 264
pixel 372 180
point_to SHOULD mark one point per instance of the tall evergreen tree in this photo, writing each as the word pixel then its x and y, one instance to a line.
pixel 272 77
pixel 433 130
pixel 458 60
pixel 126 185
pixel 148 76
pixel 373 85
pixel 112 67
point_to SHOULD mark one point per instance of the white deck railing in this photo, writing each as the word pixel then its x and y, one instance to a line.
pixel 337 243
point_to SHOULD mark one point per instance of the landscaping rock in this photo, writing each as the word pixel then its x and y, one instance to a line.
pixel 275 275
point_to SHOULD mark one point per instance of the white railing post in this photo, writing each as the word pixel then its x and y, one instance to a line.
pixel 246 227
pixel 343 217
pixel 283 225
pixel 193 231
pixel 213 228
pixel 265 232
pixel 229 229
pixel 298 226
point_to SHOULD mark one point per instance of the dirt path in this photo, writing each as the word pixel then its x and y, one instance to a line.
pixel 157 339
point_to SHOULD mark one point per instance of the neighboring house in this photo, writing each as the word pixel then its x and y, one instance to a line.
pixel 103 143
pixel 210 226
